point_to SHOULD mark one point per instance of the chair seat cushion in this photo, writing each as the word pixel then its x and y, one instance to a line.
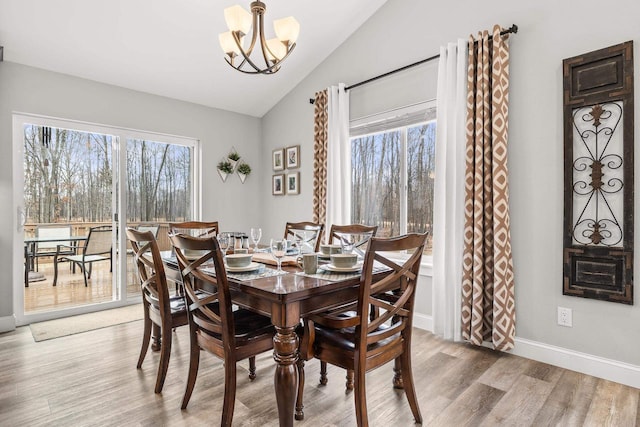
pixel 177 304
pixel 345 338
pixel 87 258
pixel 248 324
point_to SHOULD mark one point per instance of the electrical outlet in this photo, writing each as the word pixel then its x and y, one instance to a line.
pixel 565 317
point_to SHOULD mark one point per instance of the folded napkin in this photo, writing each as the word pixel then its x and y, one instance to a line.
pixel 267 258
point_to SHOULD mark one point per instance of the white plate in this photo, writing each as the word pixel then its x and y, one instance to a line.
pixel 250 267
pixel 334 269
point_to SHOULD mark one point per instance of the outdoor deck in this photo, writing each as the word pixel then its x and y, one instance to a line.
pixel 70 290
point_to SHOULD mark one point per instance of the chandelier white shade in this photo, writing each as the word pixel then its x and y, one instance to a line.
pixel 274 51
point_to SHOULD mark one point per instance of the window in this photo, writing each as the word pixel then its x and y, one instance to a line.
pixel 393 160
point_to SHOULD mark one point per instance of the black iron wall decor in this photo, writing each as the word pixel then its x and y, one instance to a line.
pixel 598 174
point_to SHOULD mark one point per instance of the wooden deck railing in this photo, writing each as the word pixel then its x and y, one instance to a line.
pixel 82 229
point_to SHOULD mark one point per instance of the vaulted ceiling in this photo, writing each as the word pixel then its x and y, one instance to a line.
pixel 170 47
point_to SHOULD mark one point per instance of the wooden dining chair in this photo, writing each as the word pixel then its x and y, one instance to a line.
pixel 97 247
pixel 162 312
pixel 195 228
pixel 366 232
pixel 214 326
pixel 350 338
pixel 309 234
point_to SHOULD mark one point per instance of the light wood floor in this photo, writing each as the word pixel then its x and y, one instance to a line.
pixel 70 290
pixel 90 379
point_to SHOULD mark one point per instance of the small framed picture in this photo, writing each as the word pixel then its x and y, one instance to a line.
pixel 277 185
pixel 293 157
pixel 293 183
pixel 278 159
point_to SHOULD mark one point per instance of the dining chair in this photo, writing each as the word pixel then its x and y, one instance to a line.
pixel 309 234
pixel 195 228
pixel 97 248
pixel 161 309
pixel 154 228
pixel 336 234
pixel 213 324
pixel 350 338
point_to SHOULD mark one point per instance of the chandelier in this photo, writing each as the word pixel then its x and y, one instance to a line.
pixel 274 50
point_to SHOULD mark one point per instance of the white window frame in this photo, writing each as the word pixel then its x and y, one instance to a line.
pixel 397 115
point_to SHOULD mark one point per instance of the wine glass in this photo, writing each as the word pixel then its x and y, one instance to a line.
pixel 223 241
pixel 278 250
pixel 348 242
pixel 256 234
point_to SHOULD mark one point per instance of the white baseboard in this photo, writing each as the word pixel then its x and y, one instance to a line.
pixel 608 369
pixel 422 321
pixel 7 323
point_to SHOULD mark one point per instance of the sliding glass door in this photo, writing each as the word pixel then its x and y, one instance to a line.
pixel 159 187
pixel 77 181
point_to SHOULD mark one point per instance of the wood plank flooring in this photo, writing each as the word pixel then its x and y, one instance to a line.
pixel 90 379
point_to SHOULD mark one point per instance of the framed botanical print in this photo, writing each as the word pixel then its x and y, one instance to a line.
pixel 277 185
pixel 293 183
pixel 293 157
pixel 278 159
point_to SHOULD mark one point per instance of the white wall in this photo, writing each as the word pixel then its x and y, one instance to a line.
pixel 30 90
pixel 404 31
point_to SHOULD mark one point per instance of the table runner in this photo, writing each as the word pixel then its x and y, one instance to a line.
pixel 261 272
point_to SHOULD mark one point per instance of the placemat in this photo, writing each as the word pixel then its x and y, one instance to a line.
pixel 335 277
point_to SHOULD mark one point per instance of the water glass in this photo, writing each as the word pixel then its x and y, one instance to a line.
pixel 223 241
pixel 279 250
pixel 348 242
pixel 256 235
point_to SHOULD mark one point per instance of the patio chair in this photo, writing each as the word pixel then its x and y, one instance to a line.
pixel 47 248
pixel 97 248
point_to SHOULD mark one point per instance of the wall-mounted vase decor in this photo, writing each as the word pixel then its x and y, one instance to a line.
pixel 243 170
pixel 598 174
pixel 233 157
pixel 225 168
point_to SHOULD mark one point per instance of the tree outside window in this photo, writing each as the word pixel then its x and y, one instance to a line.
pixel 392 179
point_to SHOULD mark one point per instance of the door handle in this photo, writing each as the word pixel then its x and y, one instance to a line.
pixel 22 218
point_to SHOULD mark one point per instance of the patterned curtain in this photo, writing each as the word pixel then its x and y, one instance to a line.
pixel 320 137
pixel 488 300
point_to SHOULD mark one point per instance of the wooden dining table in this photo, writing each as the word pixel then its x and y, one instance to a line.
pixel 286 299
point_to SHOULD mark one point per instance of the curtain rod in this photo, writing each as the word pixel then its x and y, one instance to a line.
pixel 512 29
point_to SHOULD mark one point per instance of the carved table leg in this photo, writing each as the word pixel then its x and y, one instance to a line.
pixel 285 353
pixel 397 375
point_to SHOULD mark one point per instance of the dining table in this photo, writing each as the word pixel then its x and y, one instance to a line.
pixel 286 297
pixel 30 245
